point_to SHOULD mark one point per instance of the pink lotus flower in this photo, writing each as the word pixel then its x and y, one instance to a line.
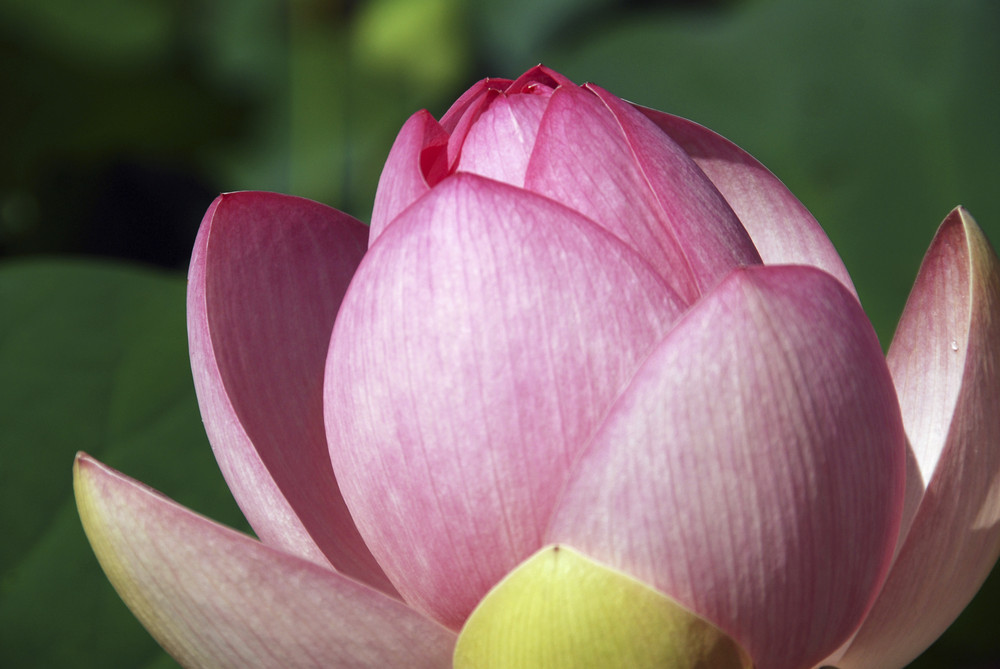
pixel 598 392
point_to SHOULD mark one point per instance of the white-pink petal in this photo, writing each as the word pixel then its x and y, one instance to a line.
pixel 265 283
pixel 753 469
pixel 213 597
pixel 945 361
pixel 782 229
pixel 482 339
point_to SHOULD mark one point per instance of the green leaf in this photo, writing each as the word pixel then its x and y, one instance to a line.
pixel 92 357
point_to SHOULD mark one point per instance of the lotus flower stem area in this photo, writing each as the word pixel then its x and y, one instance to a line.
pixel 593 389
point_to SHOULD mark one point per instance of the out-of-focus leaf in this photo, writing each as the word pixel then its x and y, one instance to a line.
pixel 879 116
pixel 511 34
pixel 126 33
pixel 424 40
pixel 92 357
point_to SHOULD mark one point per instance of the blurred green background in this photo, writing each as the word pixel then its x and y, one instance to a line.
pixel 120 120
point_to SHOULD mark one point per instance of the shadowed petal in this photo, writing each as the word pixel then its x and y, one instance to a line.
pixel 781 228
pixel 604 159
pixel 266 279
pixel 945 361
pixel 480 343
pixel 213 597
pixel 753 469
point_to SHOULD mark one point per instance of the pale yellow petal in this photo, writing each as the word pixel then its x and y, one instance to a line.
pixel 560 609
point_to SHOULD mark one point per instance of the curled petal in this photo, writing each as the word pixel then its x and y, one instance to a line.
pixel 561 610
pixel 782 229
pixel 753 469
pixel 598 155
pixel 480 343
pixel 213 597
pixel 945 361
pixel 266 279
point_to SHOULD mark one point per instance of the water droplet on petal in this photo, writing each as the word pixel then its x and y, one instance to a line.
pixel 954 345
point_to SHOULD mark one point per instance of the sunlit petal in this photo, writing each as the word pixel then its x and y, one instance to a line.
pixel 945 361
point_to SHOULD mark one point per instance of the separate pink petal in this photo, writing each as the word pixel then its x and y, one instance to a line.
pixel 266 280
pixel 620 170
pixel 213 597
pixel 781 228
pixel 481 342
pixel 417 160
pixel 753 469
pixel 945 360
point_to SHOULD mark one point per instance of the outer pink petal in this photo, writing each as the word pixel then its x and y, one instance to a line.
pixel 753 469
pixel 781 228
pixel 214 597
pixel 945 360
pixel 601 157
pixel 417 160
pixel 481 341
pixel 266 279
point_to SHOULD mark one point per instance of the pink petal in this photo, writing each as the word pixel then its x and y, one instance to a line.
pixel 465 111
pixel 417 160
pixel 464 123
pixel 481 341
pixel 753 469
pixel 599 156
pixel 539 75
pixel 266 280
pixel 945 361
pixel 782 229
pixel 703 224
pixel 469 98
pixel 213 597
pixel 499 145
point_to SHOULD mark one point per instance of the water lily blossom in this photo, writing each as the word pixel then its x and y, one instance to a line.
pixel 593 389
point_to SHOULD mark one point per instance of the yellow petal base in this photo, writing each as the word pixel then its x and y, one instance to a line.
pixel 560 609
